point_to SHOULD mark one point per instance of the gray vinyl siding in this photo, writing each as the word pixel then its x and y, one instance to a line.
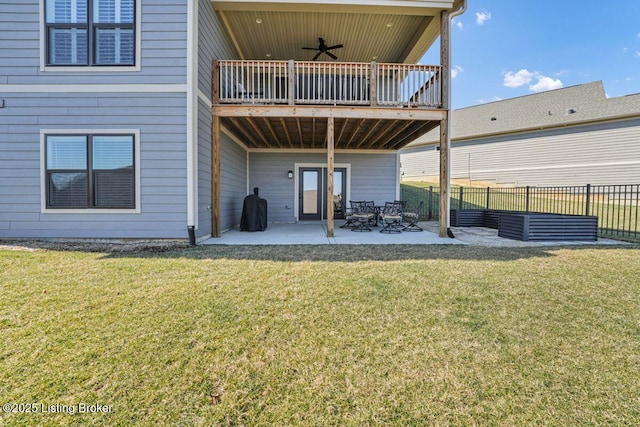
pixel 373 177
pixel 233 182
pixel 161 119
pixel 214 44
pixel 606 153
pixel 163 42
pixel 204 170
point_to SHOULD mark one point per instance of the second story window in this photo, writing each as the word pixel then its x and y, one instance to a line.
pixel 90 32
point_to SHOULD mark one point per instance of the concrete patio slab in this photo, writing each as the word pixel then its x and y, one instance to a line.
pixel 314 233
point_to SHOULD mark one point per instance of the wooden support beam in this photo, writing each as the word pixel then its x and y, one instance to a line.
pixel 313 133
pixel 254 110
pixel 286 131
pixel 416 130
pixel 242 129
pixel 330 171
pixel 273 131
pixel 215 177
pixel 355 130
pixel 445 137
pixel 383 131
pixel 401 128
pixel 300 137
pixel 341 131
pixel 261 134
pixel 368 133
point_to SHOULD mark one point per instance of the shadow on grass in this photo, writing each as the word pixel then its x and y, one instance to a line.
pixel 353 253
pixel 300 253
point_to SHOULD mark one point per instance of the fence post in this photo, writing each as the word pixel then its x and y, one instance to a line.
pixel 460 199
pixel 588 205
pixel 430 215
pixel 488 196
pixel 526 209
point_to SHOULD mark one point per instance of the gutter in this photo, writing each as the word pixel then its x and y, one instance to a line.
pixel 461 9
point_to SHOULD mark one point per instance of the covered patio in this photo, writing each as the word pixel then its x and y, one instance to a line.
pixel 315 233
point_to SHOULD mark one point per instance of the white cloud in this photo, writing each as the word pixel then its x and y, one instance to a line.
pixel 456 70
pixel 459 25
pixel 546 83
pixel 637 55
pixel 518 79
pixel 482 17
pixel 526 77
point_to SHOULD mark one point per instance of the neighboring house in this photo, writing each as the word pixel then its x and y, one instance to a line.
pixel 564 137
pixel 115 121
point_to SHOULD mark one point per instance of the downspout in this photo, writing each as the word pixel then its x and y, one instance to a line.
pixel 192 122
pixel 453 15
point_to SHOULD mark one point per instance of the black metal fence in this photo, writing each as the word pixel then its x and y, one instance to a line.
pixel 616 206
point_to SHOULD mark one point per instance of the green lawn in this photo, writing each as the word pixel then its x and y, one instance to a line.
pixel 324 336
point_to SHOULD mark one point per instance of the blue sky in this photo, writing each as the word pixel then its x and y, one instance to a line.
pixel 508 48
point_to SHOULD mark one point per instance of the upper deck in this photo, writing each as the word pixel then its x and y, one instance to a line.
pixel 327 83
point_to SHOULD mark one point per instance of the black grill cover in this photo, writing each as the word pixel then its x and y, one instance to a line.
pixel 254 213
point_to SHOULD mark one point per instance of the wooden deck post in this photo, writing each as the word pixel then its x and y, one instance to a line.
pixel 215 177
pixel 445 129
pixel 330 171
pixel 373 84
pixel 291 81
pixel 215 82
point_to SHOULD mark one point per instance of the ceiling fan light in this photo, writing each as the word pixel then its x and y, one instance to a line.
pixel 258 21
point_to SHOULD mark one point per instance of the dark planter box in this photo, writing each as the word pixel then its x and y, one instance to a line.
pixel 546 227
pixel 468 218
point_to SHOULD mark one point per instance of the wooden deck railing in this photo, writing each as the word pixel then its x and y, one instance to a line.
pixel 327 83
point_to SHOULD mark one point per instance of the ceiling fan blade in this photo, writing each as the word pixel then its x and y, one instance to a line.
pixel 310 48
pixel 331 55
pixel 338 46
pixel 316 57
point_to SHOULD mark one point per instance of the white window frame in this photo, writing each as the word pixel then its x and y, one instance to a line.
pixel 43 170
pixel 91 69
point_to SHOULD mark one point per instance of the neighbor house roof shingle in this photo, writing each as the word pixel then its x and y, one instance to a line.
pixel 561 107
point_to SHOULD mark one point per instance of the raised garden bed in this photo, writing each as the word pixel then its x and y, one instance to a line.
pixel 529 226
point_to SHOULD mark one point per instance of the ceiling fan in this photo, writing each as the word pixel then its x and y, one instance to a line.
pixel 323 48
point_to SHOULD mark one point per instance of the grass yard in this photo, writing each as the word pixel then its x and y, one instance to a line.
pixel 323 336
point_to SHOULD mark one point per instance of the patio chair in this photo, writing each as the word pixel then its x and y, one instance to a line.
pixel 391 218
pixel 349 212
pixel 412 218
pixel 362 219
pixel 370 207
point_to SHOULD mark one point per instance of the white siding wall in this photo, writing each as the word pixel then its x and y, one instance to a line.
pixel 596 154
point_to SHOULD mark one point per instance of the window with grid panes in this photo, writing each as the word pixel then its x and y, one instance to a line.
pixel 90 32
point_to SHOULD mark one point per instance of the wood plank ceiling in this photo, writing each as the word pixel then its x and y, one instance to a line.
pixel 310 132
